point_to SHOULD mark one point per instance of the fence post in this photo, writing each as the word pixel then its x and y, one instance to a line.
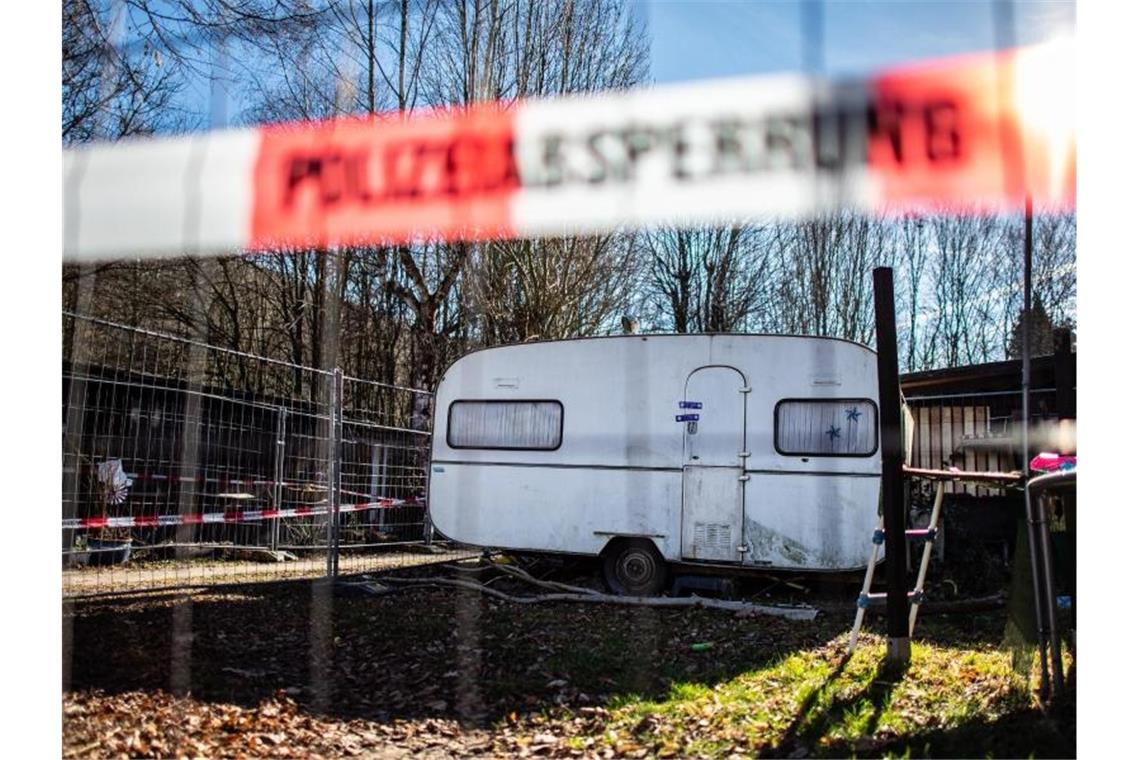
pixel 278 475
pixel 73 440
pixel 425 452
pixel 378 483
pixel 336 413
pixel 429 529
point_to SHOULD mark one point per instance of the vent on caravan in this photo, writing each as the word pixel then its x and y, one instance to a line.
pixel 713 536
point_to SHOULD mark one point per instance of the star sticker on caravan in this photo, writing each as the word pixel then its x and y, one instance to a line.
pixel 833 432
pixel 853 414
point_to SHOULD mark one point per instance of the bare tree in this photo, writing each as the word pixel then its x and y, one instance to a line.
pixel 1055 265
pixel 975 287
pixel 708 279
pixel 551 288
pixel 911 253
pixel 823 278
pixel 112 89
pixel 506 50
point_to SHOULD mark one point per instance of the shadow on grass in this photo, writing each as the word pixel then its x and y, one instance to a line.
pixel 810 725
pixel 799 725
pixel 1021 733
pixel 427 652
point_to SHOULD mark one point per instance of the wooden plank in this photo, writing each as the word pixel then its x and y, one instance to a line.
pixel 956 414
pixel 936 437
pixel 969 414
pixel 946 443
pixel 997 479
pixel 990 459
pixel 921 435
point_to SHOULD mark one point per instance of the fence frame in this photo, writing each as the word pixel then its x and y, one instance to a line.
pixel 114 391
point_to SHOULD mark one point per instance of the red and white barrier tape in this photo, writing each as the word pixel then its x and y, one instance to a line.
pixel 977 131
pixel 234 516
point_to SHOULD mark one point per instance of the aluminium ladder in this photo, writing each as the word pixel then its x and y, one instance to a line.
pixel 866 598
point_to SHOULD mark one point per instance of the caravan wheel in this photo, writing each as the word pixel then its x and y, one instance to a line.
pixel 634 568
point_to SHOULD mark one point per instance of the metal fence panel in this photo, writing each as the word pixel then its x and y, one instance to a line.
pixel 187 464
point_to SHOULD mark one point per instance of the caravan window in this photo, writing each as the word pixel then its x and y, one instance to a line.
pixel 533 425
pixel 831 427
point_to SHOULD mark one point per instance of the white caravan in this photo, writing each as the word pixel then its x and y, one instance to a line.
pixel 755 451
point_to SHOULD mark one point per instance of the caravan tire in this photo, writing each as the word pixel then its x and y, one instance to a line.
pixel 634 567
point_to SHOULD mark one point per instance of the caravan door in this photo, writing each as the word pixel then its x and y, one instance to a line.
pixel 713 479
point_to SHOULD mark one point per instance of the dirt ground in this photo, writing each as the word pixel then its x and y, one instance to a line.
pixel 88 581
pixel 302 669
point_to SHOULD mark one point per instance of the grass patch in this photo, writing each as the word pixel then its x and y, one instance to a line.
pixel 822 702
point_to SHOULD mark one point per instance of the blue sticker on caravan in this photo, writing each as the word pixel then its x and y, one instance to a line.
pixel 687 417
pixel 689 404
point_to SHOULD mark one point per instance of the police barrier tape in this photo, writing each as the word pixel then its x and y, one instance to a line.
pixel 972 132
pixel 232 516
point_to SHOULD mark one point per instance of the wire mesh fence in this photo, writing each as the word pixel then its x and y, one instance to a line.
pixel 186 463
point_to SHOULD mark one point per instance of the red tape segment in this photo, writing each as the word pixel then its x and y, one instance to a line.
pixel 369 180
pixel 981 130
pixel 976 132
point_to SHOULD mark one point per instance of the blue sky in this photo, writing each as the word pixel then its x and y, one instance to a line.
pixel 699 39
pixel 702 39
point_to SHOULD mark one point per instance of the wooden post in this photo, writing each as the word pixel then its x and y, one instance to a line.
pixel 890 422
pixel 1065 374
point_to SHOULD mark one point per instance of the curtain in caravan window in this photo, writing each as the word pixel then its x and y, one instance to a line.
pixel 505 425
pixel 839 427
